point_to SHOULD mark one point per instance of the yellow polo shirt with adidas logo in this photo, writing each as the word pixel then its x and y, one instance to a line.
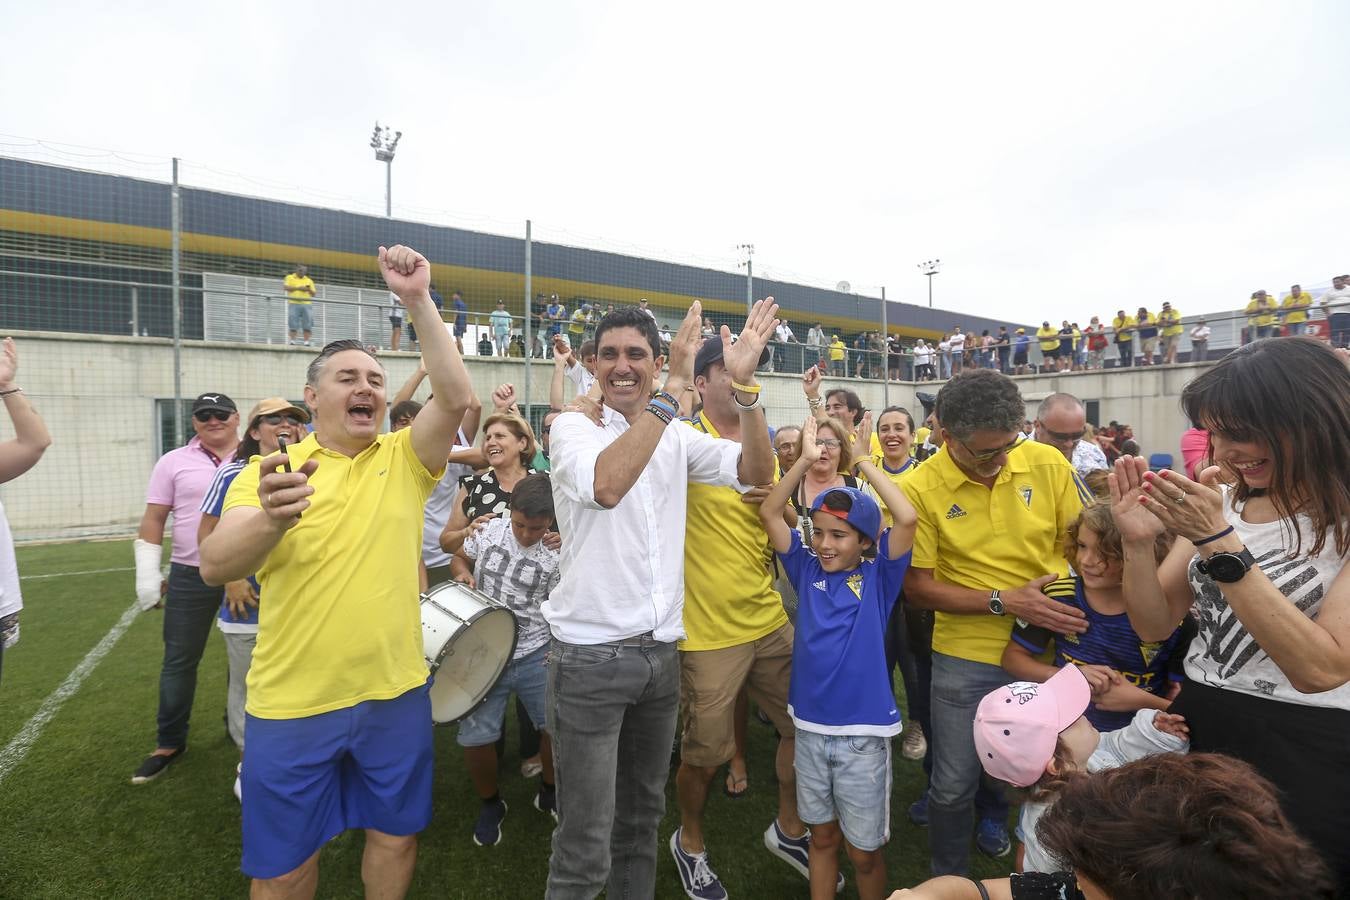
pixel 342 623
pixel 983 538
pixel 729 597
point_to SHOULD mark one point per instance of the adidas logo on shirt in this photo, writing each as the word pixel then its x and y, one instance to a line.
pixel 820 585
pixel 955 512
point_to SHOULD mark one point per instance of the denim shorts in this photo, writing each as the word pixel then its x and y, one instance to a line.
pixel 307 780
pixel 527 678
pixel 846 777
pixel 299 317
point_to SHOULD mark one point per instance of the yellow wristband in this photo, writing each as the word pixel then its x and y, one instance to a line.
pixel 745 388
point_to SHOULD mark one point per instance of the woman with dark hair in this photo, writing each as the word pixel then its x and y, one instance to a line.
pixel 1264 536
pixel 1200 827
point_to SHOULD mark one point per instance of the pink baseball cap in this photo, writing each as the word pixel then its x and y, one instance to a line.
pixel 1018 725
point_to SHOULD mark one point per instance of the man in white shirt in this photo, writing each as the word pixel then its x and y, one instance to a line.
pixel 815 338
pixel 1061 422
pixel 1336 304
pixel 957 342
pixel 620 493
pixel 1200 341
pixel 782 336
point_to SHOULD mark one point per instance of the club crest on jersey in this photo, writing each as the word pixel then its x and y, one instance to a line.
pixel 854 583
pixel 1149 650
pixel 955 512
pixel 1025 491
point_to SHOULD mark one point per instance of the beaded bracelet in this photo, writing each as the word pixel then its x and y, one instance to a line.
pixel 1213 537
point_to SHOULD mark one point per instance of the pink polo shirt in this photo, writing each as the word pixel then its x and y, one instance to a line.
pixel 180 480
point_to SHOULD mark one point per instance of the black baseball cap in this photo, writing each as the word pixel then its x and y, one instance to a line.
pixel 213 401
pixel 711 352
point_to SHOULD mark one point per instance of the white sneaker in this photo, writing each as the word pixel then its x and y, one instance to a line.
pixel 913 745
pixel 238 787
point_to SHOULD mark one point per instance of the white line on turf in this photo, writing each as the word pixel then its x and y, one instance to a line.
pixel 81 572
pixel 18 748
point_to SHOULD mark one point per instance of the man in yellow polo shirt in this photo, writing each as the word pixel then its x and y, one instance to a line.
pixel 1048 338
pixel 1123 326
pixel 338 720
pixel 737 635
pixel 993 511
pixel 1295 310
pixel 1169 323
pixel 299 304
pixel 1265 314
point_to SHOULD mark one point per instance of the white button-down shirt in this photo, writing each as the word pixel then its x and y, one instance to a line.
pixel 623 568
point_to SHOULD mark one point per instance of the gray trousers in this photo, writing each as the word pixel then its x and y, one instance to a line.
pixel 239 649
pixel 611 716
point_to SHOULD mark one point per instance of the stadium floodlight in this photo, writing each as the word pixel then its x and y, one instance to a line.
pixel 749 263
pixel 385 142
pixel 930 268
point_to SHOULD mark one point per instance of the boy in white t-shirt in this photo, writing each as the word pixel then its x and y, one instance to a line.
pixel 509 560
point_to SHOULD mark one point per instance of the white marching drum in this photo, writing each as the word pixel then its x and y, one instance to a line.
pixel 468 640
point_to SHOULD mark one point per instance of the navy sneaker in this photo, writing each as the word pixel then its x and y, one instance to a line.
pixel 154 766
pixel 991 836
pixel 487 831
pixel 918 811
pixel 547 802
pixel 796 852
pixel 698 878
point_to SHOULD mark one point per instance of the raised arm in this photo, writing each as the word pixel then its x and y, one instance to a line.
pixel 1156 596
pixel 772 509
pixel 31 439
pixel 408 274
pixel 741 358
pixel 556 400
pixel 410 386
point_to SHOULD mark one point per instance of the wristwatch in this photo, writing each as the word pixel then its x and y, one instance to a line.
pixel 995 603
pixel 1227 568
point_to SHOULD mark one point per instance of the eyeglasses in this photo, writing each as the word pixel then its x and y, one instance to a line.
pixel 1065 437
pixel 206 415
pixel 986 455
pixel 828 444
pixel 277 419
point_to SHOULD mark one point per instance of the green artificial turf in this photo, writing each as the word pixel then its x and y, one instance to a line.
pixel 73 826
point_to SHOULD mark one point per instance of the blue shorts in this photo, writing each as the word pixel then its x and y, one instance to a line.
pixel 845 777
pixel 527 678
pixel 305 781
pixel 299 317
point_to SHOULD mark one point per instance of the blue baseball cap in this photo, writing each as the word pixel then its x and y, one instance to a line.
pixel 864 514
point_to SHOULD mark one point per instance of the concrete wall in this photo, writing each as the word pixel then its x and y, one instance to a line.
pixel 98 396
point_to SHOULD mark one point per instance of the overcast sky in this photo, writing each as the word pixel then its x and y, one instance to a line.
pixel 1061 159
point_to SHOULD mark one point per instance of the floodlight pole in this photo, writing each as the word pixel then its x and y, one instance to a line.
pixel 749 275
pixel 385 146
pixel 930 268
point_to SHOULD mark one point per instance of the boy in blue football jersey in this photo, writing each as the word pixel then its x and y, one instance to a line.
pixel 840 695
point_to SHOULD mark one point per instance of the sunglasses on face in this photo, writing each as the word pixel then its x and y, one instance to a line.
pixel 206 415
pixel 986 455
pixel 1064 437
pixel 277 419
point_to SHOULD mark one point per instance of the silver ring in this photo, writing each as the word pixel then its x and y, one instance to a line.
pixel 1181 500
